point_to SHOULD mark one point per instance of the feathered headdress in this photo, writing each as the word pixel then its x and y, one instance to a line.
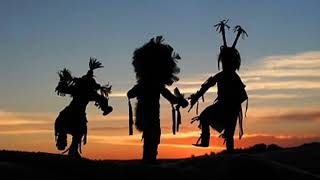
pixel 105 90
pixel 155 62
pixel 65 82
pixel 65 75
pixel 93 64
pixel 226 52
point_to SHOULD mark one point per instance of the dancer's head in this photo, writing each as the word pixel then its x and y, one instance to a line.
pixel 156 62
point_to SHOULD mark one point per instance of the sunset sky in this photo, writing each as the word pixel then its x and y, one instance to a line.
pixel 280 67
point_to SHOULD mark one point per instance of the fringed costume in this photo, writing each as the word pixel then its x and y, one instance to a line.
pixel 223 114
pixel 72 119
pixel 155 67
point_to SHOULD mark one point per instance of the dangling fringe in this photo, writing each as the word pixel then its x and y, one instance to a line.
pixel 85 139
pixel 247 107
pixel 130 118
pixel 173 119
pixel 197 108
pixel 240 123
pixel 194 119
pixel 178 117
pixel 241 119
pixel 176 120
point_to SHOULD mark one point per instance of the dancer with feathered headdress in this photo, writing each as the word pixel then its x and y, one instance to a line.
pixel 72 120
pixel 226 109
pixel 155 67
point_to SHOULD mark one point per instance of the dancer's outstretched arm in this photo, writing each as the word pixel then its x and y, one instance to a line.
pixel 211 81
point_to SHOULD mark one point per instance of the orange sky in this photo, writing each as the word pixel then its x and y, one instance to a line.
pixel 108 136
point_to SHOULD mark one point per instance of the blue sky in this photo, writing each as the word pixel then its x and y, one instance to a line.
pixel 280 58
pixel 40 37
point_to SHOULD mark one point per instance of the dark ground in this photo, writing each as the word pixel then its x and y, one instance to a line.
pixel 257 162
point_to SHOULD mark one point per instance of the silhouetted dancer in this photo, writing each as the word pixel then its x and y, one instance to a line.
pixel 72 119
pixel 223 114
pixel 155 67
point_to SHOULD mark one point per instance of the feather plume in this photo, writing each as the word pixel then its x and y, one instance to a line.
pixel 94 64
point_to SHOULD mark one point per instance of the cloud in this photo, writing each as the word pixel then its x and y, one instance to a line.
pixel 299 115
pixel 283 72
pixel 273 73
pixel 108 128
pixel 116 140
pixel 288 84
pixel 26 132
pixel 301 60
pixel 118 94
pixel 274 96
pixel 99 118
pixel 305 64
pixel 16 118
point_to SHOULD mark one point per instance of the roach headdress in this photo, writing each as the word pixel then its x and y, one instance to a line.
pixel 227 54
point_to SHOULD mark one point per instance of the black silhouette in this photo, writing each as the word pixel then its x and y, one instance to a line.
pixel 256 162
pixel 223 114
pixel 155 67
pixel 72 119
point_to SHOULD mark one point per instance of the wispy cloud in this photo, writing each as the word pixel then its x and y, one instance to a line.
pixel 292 72
pixel 16 118
pixel 301 60
pixel 26 132
pixel 289 119
pixel 116 140
pixel 299 71
pixel 302 115
pixel 109 128
pixel 100 118
pixel 283 72
pixel 305 64
pixel 285 84
pixel 118 94
pixel 274 96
